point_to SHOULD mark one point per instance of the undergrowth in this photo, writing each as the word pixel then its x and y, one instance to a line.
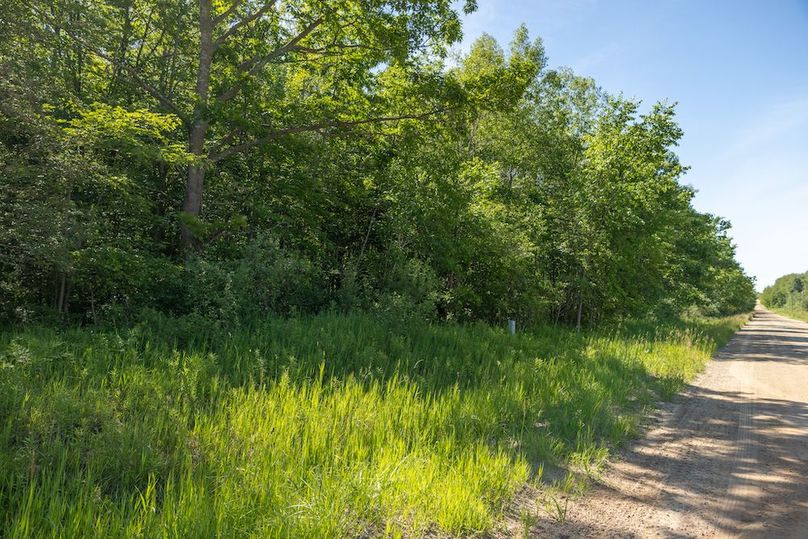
pixel 331 425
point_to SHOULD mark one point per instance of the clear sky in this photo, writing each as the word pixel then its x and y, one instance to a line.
pixel 739 71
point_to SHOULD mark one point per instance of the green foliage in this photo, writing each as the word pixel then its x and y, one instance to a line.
pixel 79 231
pixel 199 169
pixel 338 161
pixel 137 134
pixel 264 278
pixel 787 294
pixel 331 425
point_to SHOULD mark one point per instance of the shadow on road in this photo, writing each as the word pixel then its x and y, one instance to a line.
pixel 730 457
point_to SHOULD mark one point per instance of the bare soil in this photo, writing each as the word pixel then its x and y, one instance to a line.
pixel 728 458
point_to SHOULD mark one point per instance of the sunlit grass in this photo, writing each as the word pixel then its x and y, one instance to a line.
pixel 796 314
pixel 334 425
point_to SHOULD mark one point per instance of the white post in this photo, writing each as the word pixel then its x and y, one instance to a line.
pixel 512 327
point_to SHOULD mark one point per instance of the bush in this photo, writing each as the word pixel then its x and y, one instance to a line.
pixel 265 279
pixel 410 292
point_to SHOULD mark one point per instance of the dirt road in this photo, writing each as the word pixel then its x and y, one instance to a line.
pixel 729 457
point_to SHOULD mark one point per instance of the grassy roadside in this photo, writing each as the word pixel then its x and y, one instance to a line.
pixel 796 314
pixel 332 425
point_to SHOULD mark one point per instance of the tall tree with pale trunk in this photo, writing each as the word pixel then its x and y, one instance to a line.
pixel 255 71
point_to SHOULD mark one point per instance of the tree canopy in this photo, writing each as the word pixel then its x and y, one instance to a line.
pixel 787 292
pixel 231 158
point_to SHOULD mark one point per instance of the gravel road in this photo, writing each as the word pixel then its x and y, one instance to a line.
pixel 729 458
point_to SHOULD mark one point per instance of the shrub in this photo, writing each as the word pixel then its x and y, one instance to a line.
pixel 264 279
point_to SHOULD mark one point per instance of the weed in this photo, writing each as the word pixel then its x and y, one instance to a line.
pixel 330 425
pixel 528 519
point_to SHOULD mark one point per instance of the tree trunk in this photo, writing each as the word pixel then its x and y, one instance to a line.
pixel 63 294
pixel 60 296
pixel 192 205
pixel 194 184
pixel 580 299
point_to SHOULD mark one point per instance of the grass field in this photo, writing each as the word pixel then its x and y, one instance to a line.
pixel 333 425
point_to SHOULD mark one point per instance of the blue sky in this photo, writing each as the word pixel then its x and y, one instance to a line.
pixel 739 71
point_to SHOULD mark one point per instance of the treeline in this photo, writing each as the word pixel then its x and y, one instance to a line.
pixel 787 292
pixel 232 159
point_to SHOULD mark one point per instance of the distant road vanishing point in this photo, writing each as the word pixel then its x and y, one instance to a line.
pixel 729 457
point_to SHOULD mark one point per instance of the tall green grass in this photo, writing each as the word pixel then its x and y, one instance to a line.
pixel 333 425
